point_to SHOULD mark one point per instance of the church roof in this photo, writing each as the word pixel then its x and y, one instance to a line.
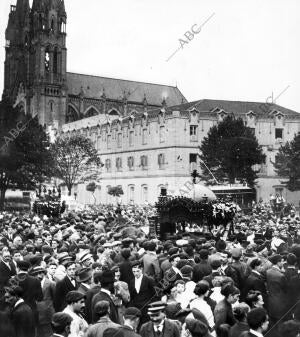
pixel 96 86
pixel 237 107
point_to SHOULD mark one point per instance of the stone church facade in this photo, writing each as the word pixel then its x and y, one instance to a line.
pixel 36 77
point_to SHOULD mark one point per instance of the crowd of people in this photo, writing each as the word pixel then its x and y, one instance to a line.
pixel 101 273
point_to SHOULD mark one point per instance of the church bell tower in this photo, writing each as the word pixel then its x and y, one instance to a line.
pixel 36 57
pixel 48 61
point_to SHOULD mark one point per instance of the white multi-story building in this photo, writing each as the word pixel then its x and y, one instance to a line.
pixel 147 151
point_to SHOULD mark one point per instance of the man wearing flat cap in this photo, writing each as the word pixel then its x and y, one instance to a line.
pixel 75 308
pixel 132 317
pixel 159 325
pixel 61 323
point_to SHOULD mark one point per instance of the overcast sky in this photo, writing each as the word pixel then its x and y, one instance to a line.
pixel 245 50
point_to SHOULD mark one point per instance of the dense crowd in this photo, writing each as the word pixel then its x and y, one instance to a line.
pixel 102 273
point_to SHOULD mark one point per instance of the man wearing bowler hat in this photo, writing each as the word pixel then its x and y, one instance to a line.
pixel 84 277
pixel 159 325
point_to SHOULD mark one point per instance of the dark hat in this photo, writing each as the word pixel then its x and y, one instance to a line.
pixel 173 257
pixel 61 320
pixel 186 270
pixel 215 264
pixel 101 308
pixel 126 252
pixel 274 259
pixel 172 309
pixel 196 327
pixel 37 270
pixel 291 259
pixel 173 251
pixel 107 277
pixel 47 249
pixel 156 307
pixel 74 296
pixel 14 290
pixel 132 312
pixel 137 263
pixel 35 260
pixel 63 257
pixel 84 274
pixel 23 265
pixel 203 254
pixel 127 241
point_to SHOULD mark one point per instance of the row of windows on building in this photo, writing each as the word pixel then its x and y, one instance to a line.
pixel 131 194
pixel 142 163
pixel 194 130
pixel 145 133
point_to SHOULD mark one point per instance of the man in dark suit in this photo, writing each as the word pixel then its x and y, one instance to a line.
pixel 90 295
pixel 22 317
pixel 7 270
pixel 173 274
pixel 105 294
pixel 215 266
pixel 255 280
pixel 68 283
pixel 32 290
pixel 159 326
pixel 84 278
pixel 290 269
pixel 131 322
pixel 258 322
pixel 141 290
pixel 202 268
pixel 277 290
pixel 45 306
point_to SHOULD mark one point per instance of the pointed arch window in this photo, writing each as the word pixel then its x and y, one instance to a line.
pixel 71 115
pixel 91 112
pixel 55 61
pixel 52 25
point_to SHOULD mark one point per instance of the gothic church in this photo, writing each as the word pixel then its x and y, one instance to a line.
pixel 36 78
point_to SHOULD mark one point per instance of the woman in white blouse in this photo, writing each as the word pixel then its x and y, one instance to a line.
pixel 202 290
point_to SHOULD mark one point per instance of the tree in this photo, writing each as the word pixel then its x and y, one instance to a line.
pixel 115 191
pixel 287 163
pixel 75 160
pixel 91 187
pixel 25 159
pixel 229 151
